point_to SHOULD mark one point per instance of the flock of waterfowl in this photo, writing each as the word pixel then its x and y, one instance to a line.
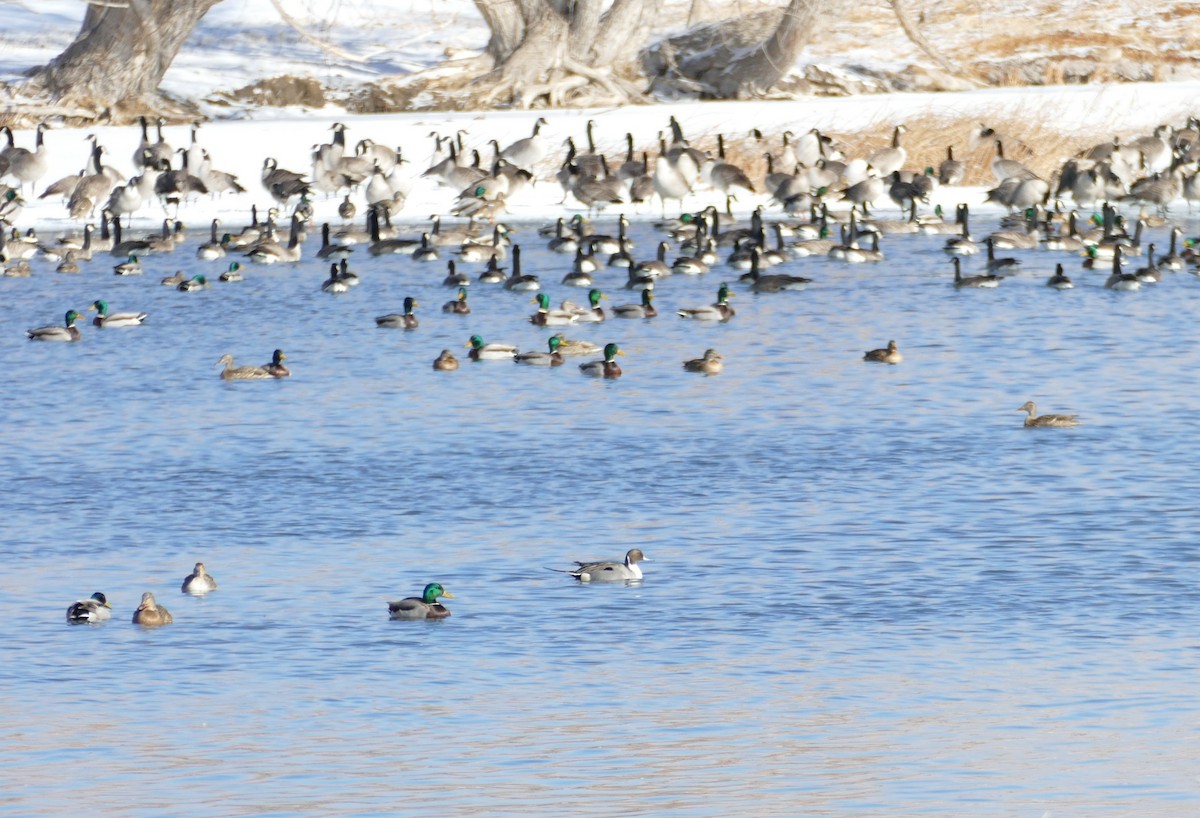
pixel 822 199
pixel 150 613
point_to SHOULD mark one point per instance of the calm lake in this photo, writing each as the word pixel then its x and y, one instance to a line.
pixel 871 590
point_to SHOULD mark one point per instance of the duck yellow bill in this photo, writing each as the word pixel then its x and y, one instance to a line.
pixel 448 595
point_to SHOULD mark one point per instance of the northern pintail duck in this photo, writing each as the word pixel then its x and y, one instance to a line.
pixel 611 571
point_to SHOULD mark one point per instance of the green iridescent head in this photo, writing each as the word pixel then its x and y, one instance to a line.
pixel 432 591
pixel 594 297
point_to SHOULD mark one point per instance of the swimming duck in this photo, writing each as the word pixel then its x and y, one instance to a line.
pixel 241 373
pixel 568 346
pixel 611 571
pixel 150 613
pixel 606 368
pixel 199 582
pixel 446 362
pixel 720 311
pixel 1032 418
pixel 710 364
pixel 233 274
pixel 546 317
pixel 489 352
pixel 174 280
pixel 275 368
pixel 551 358
pixel 426 606
pixel 644 310
pixel 459 305
pixel 130 267
pixel 94 609
pixel 193 284
pixel 104 318
pixel 891 355
pixel 594 313
pixel 67 332
pixel 395 320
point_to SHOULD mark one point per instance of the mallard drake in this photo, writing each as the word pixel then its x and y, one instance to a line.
pixel 67 332
pixel 150 613
pixel 720 311
pixel 989 280
pixel 241 373
pixel 94 609
pixel 459 305
pixel 199 582
pixel 606 368
pixel 611 571
pixel 546 317
pixel 193 284
pixel 104 318
pixel 275 368
pixel 404 320
pixel 425 606
pixel 643 310
pixel 129 267
pixel 489 352
pixel 709 364
pixel 551 358
pixel 593 313
pixel 890 355
pixel 446 362
pixel 1032 418
pixel 233 274
pixel 569 347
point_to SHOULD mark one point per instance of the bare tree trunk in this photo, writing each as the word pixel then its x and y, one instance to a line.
pixel 621 35
pixel 122 51
pixel 763 67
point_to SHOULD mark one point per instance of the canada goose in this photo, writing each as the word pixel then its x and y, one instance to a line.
pixel 865 192
pixel 888 160
pixel 380 246
pixel 403 320
pixel 27 166
pixel 1172 260
pixel 334 283
pixel 67 332
pixel 1006 263
pixel 1118 280
pixel 550 358
pixel 889 355
pixel 1150 274
pixel 1033 419
pixel 775 282
pixel 516 281
pixel 974 282
pixel 528 152
pixel 150 614
pixel 1003 168
pixel 426 252
pixel 962 244
pixel 493 273
pixel 282 184
pixel 1160 189
pixel 155 155
pixel 329 250
pixel 1060 280
pixel 212 249
pixel 174 186
pixel 271 252
pixel 606 368
pixel 95 187
pixel 347 209
pixel 711 363
pixel 951 171
pixel 581 273
pixel 725 176
pixel 199 582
